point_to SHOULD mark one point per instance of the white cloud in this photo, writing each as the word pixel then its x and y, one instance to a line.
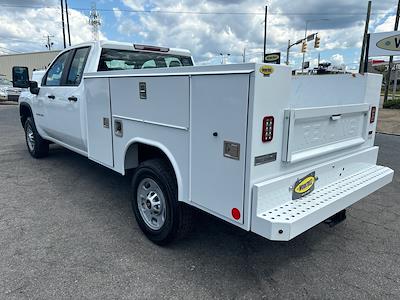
pixel 337 59
pixel 206 35
pixel 34 24
pixel 117 13
pixel 202 33
pixel 127 27
pixel 387 25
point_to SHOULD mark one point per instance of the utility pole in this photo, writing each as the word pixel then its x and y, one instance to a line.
pixel 244 55
pixel 62 21
pixel 224 58
pixel 66 13
pixel 396 27
pixel 361 67
pixel 265 33
pixel 49 43
pixel 287 52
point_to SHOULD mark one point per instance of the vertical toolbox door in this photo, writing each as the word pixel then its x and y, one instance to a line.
pixel 99 125
pixel 218 142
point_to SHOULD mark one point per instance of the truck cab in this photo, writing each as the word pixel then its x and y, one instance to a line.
pixel 58 108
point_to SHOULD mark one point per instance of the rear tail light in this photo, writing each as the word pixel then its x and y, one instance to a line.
pixel 267 129
pixel 373 114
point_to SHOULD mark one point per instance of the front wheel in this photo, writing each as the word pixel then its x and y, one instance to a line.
pixel 37 146
pixel 155 203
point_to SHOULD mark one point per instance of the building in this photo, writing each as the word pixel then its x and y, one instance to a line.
pixel 33 60
pixel 381 67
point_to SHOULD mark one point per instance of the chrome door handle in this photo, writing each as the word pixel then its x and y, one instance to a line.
pixel 73 98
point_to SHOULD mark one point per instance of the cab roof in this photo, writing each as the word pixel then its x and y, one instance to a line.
pixel 137 47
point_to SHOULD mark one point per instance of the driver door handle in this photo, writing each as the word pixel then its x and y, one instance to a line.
pixel 51 97
pixel 73 98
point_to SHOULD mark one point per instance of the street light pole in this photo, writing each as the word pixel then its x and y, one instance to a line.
pixel 304 53
pixel 305 37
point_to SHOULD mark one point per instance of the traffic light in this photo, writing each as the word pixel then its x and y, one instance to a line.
pixel 317 42
pixel 304 47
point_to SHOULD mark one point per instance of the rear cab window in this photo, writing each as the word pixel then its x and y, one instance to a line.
pixel 115 59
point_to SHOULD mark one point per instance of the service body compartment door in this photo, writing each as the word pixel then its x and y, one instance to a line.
pixel 99 125
pixel 218 142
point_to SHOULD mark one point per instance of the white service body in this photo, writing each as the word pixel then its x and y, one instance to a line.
pixel 208 121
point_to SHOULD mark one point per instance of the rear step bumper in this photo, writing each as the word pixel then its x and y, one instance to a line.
pixel 291 218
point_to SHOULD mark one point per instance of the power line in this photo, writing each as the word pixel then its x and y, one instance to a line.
pixel 203 13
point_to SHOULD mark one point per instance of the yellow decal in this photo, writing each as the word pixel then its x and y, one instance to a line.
pixel 271 57
pixel 305 185
pixel 266 70
pixel 391 43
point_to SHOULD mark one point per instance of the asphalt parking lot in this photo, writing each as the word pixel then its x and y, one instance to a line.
pixel 67 231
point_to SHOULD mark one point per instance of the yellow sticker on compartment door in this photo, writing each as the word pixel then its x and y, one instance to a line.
pixel 266 70
pixel 304 186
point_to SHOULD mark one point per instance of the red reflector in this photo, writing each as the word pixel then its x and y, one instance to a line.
pixel 267 129
pixel 235 213
pixel 373 113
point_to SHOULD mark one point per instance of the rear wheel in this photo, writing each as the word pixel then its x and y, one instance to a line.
pixel 155 203
pixel 37 146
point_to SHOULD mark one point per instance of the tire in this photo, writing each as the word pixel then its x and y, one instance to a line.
pixel 37 146
pixel 155 203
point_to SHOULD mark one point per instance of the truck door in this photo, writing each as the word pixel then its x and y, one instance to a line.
pixel 62 96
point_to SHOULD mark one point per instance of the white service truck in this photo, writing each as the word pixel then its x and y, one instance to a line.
pixel 251 144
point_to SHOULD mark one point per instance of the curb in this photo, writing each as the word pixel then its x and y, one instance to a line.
pixel 387 133
pixel 8 103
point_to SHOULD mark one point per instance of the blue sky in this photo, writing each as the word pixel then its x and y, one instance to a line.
pixel 206 35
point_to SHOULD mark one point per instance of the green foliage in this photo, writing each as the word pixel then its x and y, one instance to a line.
pixel 392 104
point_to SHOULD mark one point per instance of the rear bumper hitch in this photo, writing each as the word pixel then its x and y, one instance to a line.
pixel 336 218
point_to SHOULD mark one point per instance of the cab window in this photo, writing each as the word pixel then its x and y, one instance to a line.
pixel 149 64
pixel 115 59
pixel 54 74
pixel 77 66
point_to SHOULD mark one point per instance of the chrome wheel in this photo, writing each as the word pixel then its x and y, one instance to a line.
pixel 151 203
pixel 30 138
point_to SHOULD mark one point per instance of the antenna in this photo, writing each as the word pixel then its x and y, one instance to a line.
pixel 94 21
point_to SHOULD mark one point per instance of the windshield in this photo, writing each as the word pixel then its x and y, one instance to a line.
pixel 4 81
pixel 114 59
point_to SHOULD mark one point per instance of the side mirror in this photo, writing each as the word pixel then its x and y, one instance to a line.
pixel 33 87
pixel 20 77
